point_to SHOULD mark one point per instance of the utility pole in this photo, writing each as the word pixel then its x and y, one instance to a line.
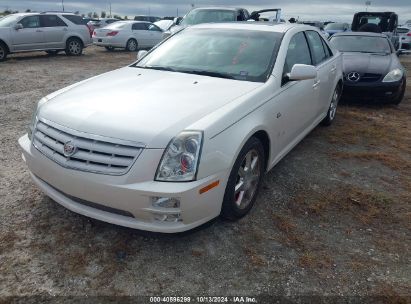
pixel 110 10
pixel 62 4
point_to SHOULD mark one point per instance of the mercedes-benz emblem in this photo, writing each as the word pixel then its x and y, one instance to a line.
pixel 69 149
pixel 353 76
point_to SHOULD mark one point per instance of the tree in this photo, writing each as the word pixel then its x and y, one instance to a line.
pixel 83 15
pixel 125 18
pixel 76 13
pixel 95 15
pixel 103 14
pixel 117 17
pixel 89 14
pixel 28 10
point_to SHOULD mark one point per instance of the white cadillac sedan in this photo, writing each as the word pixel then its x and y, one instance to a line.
pixel 187 132
pixel 129 35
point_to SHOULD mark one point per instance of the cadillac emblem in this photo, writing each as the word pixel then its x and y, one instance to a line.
pixel 69 149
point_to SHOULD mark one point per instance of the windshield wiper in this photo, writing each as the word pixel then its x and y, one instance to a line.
pixel 207 73
pixel 157 67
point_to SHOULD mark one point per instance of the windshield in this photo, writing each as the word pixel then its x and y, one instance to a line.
pixel 208 16
pixel 234 54
pixel 362 44
pixel 334 27
pixel 8 21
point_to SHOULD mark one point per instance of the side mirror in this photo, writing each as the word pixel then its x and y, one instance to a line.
pixel 399 52
pixel 18 26
pixel 175 21
pixel 141 54
pixel 302 72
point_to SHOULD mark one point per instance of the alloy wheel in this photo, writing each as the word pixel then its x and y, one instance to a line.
pixel 75 47
pixel 334 103
pixel 132 45
pixel 247 179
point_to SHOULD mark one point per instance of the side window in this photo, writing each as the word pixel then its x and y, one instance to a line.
pixel 328 52
pixel 109 21
pixel 51 21
pixel 297 53
pixel 153 27
pixel 316 46
pixel 30 22
pixel 139 27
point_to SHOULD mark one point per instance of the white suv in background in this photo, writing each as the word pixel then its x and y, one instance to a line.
pixel 50 32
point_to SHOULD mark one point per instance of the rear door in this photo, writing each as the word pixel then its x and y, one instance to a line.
pixel 30 37
pixel 155 34
pixel 55 30
pixel 326 68
pixel 141 34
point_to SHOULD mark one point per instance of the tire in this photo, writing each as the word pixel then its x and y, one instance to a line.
pixel 243 184
pixel 52 52
pixel 74 47
pixel 109 48
pixel 132 45
pixel 398 100
pixel 3 52
pixel 332 110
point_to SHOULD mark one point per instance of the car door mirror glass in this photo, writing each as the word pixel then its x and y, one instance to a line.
pixel 18 26
pixel 141 54
pixel 302 72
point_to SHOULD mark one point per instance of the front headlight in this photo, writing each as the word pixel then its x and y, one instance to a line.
pixel 394 75
pixel 33 121
pixel 181 157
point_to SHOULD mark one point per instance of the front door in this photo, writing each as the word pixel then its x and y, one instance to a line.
pixel 297 100
pixel 30 37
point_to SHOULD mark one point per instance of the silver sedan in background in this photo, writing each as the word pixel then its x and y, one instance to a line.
pixel 129 35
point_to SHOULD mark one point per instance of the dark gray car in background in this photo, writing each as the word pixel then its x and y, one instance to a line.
pixel 372 70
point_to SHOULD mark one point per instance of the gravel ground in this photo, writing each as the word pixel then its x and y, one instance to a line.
pixel 333 217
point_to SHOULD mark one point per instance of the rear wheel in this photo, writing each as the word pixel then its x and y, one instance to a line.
pixel 332 110
pixel 74 47
pixel 3 52
pixel 398 100
pixel 132 45
pixel 244 181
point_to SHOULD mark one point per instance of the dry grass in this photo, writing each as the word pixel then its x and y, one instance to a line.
pixel 255 259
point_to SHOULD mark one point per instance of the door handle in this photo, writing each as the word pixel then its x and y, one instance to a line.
pixel 333 69
pixel 316 84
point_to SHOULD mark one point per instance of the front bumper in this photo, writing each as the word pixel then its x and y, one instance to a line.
pixel 375 91
pixel 126 200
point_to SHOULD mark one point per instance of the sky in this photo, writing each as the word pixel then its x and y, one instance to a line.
pixel 322 10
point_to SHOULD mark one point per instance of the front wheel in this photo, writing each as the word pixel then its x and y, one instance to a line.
pixel 74 47
pixel 3 52
pixel 332 110
pixel 244 181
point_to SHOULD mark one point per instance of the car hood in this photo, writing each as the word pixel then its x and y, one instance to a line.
pixel 141 105
pixel 366 63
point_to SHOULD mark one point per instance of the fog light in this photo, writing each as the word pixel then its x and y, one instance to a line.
pixel 170 218
pixel 165 202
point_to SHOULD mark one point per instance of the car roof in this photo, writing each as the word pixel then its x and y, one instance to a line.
pixel 369 34
pixel 255 25
pixel 226 8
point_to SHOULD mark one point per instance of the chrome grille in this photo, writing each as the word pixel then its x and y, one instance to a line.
pixel 102 155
